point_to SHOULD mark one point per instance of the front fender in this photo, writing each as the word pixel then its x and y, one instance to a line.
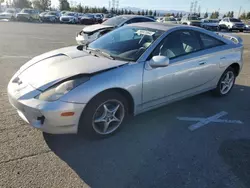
pixel 127 77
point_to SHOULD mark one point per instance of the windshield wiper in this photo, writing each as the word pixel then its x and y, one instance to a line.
pixel 102 53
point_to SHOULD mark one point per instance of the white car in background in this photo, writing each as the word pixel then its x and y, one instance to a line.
pixel 9 14
pixel 160 19
pixel 231 24
pixel 69 17
pixel 169 20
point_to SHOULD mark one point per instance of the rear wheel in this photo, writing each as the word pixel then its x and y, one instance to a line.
pixel 226 82
pixel 104 115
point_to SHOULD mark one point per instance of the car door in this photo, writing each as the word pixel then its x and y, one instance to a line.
pixel 187 72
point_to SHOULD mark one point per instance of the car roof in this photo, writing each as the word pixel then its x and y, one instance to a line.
pixel 157 25
pixel 129 16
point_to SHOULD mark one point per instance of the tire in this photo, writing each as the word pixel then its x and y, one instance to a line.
pixel 88 128
pixel 218 91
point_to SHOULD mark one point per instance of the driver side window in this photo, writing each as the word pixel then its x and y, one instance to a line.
pixel 178 43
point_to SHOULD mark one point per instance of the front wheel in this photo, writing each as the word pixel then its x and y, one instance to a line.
pixel 225 83
pixel 103 115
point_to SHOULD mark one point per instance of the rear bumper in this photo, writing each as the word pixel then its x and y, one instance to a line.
pixel 46 116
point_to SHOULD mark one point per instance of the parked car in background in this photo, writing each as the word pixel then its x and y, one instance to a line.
pixel 9 14
pixel 178 20
pixel 131 70
pixel 169 20
pixel 69 17
pixel 98 18
pixel 106 17
pixel 41 15
pixel 160 19
pixel 191 20
pixel 210 24
pixel 51 16
pixel 28 14
pixel 87 19
pixel 91 33
pixel 63 12
pixel 232 24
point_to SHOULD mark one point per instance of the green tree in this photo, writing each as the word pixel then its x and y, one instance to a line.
pixel 142 12
pixel 243 16
pixel 150 13
pixel 232 14
pixel 248 15
pixel 215 15
pixel 177 15
pixel 86 9
pixel 155 13
pixel 206 15
pixel 64 5
pixel 104 10
pixel 224 15
pixel 146 12
pixel 181 15
pixel 129 12
pixel 22 4
pixel 122 12
pixel 229 14
pixel 126 11
pixel 139 12
pixel 79 8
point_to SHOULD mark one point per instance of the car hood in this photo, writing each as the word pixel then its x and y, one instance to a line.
pixel 67 17
pixel 47 69
pixel 23 14
pixel 95 27
pixel 5 13
pixel 49 16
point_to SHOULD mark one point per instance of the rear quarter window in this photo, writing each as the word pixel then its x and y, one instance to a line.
pixel 209 41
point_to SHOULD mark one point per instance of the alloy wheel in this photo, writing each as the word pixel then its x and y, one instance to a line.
pixel 108 117
pixel 227 82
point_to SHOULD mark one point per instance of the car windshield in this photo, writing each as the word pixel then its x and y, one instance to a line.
pixel 126 43
pixel 115 20
pixel 89 15
pixel 10 11
pixel 169 19
pixel 234 20
pixel 52 13
pixel 213 21
pixel 26 11
pixel 69 14
pixel 193 18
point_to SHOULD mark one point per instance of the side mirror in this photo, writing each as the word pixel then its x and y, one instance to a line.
pixel 159 61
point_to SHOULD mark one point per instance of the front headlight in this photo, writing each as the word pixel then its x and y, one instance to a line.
pixel 55 92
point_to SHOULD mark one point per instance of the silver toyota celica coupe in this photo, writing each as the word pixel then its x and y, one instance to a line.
pixel 128 71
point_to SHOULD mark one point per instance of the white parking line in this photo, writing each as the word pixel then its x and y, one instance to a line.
pixel 205 121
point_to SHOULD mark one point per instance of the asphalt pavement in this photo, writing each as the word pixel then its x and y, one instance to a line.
pixel 154 149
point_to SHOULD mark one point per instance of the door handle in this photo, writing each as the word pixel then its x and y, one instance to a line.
pixel 202 63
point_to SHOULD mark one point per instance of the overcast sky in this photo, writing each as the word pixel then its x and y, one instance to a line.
pixel 211 5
